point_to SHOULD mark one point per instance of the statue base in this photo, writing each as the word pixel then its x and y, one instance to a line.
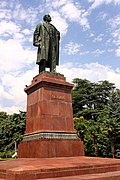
pixel 49 123
pixel 47 145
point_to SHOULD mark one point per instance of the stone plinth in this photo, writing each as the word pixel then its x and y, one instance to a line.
pixel 49 123
pixel 48 148
pixel 49 104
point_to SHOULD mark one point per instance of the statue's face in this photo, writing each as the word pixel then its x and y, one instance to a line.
pixel 48 18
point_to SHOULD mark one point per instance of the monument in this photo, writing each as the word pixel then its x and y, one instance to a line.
pixel 50 148
pixel 49 122
pixel 46 38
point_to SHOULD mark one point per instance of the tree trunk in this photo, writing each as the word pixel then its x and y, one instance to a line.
pixel 96 150
pixel 113 151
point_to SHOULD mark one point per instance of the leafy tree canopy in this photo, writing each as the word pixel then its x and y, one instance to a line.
pixel 96 108
pixel 12 128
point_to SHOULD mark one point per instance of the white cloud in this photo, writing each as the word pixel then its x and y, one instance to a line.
pixel 116 36
pixel 109 42
pixel 75 13
pixel 102 16
pixel 56 3
pixel 114 24
pixel 19 36
pixel 98 52
pixel 62 26
pixel 8 27
pixel 96 3
pixel 118 51
pixel 16 11
pixel 110 50
pixel 26 31
pixel 72 48
pixel 92 35
pixel 12 109
pixel 14 56
pixel 14 90
pixel 5 13
pixel 94 72
pixel 84 53
pixel 68 10
pixel 3 94
pixel 16 84
pixel 99 38
pixel 28 15
pixel 3 4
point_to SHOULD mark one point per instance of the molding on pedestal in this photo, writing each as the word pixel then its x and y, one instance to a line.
pixel 50 135
pixel 49 80
pixel 51 73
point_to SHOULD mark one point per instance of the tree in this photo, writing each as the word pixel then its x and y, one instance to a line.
pixel 99 106
pixel 81 125
pixel 89 99
pixel 82 98
pixel 118 93
pixel 12 128
pixel 93 135
pixel 113 122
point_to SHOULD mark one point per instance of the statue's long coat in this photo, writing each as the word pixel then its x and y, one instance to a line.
pixel 47 43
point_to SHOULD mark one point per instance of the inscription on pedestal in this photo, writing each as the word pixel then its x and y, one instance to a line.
pixel 57 97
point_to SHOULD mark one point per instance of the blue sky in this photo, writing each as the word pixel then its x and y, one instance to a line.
pixel 89 45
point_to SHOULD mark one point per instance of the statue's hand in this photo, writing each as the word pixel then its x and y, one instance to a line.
pixel 37 42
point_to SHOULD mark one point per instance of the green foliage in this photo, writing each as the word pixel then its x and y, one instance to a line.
pixel 113 122
pixel 89 99
pixel 96 108
pixel 12 128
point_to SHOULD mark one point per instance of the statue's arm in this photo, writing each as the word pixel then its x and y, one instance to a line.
pixel 36 35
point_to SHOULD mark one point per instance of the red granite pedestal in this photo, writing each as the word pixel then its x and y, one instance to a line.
pixel 49 124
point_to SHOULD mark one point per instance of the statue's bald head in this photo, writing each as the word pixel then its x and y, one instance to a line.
pixel 47 18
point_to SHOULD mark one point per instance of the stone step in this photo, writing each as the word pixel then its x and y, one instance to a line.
pixel 99 176
pixel 2 174
pixel 79 172
pixel 67 167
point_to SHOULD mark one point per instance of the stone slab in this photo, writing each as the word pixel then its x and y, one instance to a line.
pixel 50 147
pixel 43 168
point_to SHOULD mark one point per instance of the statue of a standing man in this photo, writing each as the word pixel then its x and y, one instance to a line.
pixel 46 38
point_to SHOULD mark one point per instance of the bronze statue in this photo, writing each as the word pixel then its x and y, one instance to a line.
pixel 46 38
